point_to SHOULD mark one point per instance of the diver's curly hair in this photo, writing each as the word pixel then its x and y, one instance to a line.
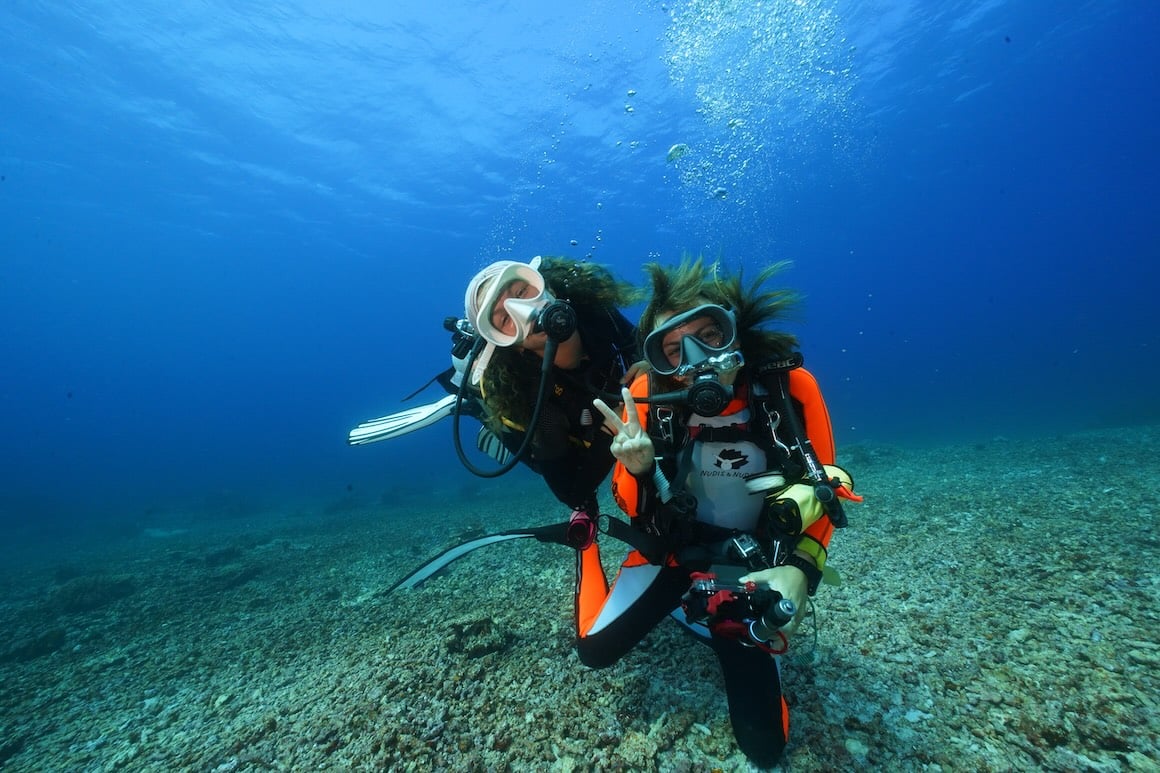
pixel 513 376
pixel 693 282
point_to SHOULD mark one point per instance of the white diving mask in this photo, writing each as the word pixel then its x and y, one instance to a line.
pixel 483 294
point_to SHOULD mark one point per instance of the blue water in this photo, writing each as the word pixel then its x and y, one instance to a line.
pixel 230 231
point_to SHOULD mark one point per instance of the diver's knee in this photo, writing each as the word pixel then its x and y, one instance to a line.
pixel 593 655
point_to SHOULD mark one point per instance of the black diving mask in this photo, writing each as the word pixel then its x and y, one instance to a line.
pixel 694 341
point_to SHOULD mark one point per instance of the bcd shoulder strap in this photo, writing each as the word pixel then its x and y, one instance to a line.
pixel 667 424
pixel 775 377
pixel 668 427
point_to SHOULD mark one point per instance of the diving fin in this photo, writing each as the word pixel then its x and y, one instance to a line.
pixel 432 567
pixel 553 533
pixel 402 422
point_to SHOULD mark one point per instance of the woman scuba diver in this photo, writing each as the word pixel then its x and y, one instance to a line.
pixel 551 339
pixel 725 463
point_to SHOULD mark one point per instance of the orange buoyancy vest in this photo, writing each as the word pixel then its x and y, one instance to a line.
pixel 804 390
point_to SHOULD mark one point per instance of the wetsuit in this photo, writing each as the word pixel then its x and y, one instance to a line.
pixel 610 621
pixel 569 449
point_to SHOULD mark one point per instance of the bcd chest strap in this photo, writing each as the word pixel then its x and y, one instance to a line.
pixel 668 427
pixel 774 424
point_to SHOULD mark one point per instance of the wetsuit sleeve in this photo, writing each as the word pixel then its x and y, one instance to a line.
pixel 803 388
pixel 572 469
pixel 575 477
pixel 628 490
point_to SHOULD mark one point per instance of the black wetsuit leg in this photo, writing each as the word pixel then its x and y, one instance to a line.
pixel 756 709
pixel 662 596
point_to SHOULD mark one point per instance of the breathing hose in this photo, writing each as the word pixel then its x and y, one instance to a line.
pixel 558 320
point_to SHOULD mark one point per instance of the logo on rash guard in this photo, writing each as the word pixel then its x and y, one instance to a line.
pixel 730 459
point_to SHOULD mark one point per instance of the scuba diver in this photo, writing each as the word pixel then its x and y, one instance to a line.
pixel 553 339
pixel 515 313
pixel 725 464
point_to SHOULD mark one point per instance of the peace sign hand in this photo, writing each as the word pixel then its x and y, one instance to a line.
pixel 631 445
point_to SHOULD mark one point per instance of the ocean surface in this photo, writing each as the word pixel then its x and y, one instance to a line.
pixel 230 232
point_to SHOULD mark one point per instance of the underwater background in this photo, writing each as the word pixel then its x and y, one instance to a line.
pixel 231 232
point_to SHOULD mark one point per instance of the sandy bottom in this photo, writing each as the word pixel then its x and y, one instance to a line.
pixel 998 611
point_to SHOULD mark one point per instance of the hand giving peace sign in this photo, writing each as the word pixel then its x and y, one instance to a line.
pixel 631 445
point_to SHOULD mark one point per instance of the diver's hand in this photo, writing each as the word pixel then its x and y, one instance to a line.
pixel 790 582
pixel 631 445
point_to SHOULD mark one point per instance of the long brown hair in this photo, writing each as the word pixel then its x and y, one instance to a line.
pixel 694 282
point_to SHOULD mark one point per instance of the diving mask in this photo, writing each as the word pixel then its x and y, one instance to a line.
pixel 694 340
pixel 526 309
pixel 486 292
